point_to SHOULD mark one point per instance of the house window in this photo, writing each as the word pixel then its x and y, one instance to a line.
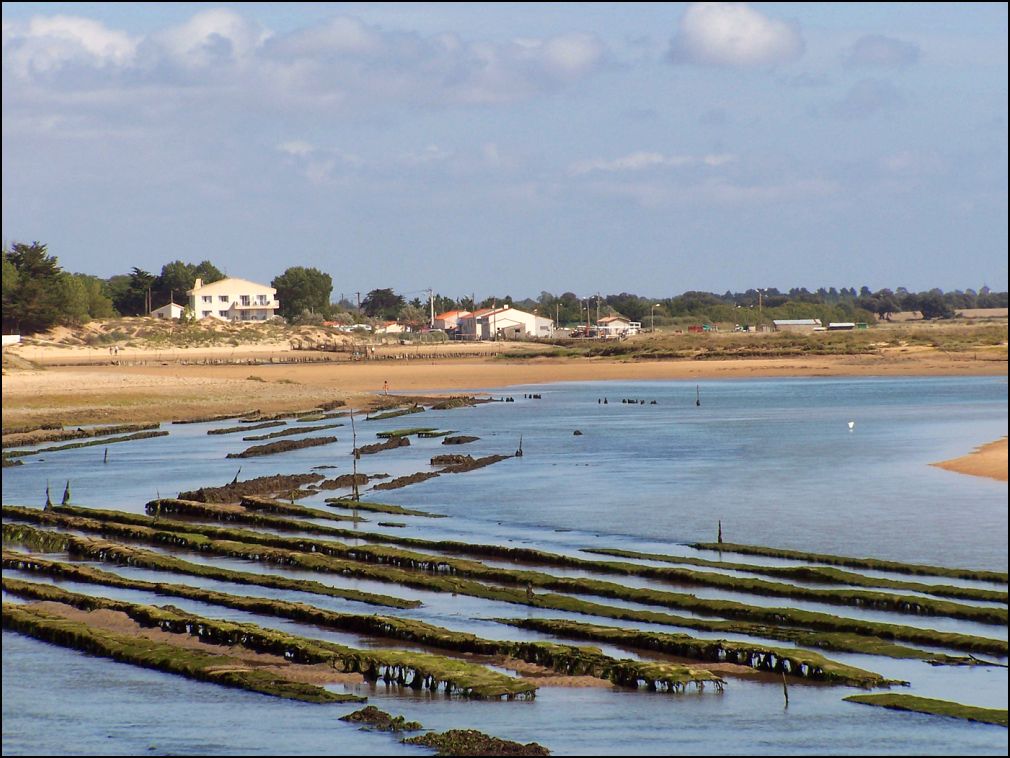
pixel 223 314
pixel 206 314
pixel 222 298
pixel 263 300
pixel 208 298
pixel 245 300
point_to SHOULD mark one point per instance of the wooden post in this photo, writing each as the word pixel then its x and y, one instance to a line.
pixel 785 688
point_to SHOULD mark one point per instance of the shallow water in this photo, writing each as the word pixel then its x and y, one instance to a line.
pixel 774 460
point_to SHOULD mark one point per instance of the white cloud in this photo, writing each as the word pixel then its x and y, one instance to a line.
pixel 875 50
pixel 211 37
pixel 733 34
pixel 47 44
pixel 641 160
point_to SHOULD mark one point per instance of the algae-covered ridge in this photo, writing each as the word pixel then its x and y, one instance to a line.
pixel 441 574
pixel 895 603
pixel 363 505
pixel 995 577
pixel 218 669
pixel 90 443
pixel 933 707
pixel 564 659
pixel 410 669
pixel 822 574
pixel 794 662
pixel 45 540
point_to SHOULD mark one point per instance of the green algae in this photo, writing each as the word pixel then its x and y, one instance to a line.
pixel 284 446
pixel 933 707
pixel 261 485
pixel 288 432
pixel 794 662
pixel 59 433
pixel 821 574
pixel 49 541
pixel 417 430
pixel 252 510
pixel 404 481
pixel 374 719
pixel 472 742
pixel 269 505
pixel 361 505
pixel 564 659
pixel 89 443
pixel 395 413
pixel 377 447
pixel 417 670
pixel 995 577
pixel 440 573
pixel 245 428
pixel 208 667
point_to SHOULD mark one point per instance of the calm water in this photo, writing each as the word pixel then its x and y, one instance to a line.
pixel 774 460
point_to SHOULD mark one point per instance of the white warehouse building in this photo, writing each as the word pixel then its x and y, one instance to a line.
pixel 505 323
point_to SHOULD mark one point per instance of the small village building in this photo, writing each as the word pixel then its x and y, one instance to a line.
pixel 233 299
pixel 170 311
pixel 392 327
pixel 449 320
pixel 841 326
pixel 798 325
pixel 617 327
pixel 505 323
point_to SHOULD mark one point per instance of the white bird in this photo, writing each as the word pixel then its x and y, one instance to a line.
pixel 852 425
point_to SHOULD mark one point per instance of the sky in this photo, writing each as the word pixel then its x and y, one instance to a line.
pixel 514 148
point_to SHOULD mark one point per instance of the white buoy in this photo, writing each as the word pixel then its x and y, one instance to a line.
pixel 852 425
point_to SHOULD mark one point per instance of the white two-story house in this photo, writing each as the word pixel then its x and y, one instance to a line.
pixel 233 300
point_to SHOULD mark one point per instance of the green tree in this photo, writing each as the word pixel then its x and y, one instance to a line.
pixel 382 303
pixel 32 303
pixel 303 289
pixel 177 278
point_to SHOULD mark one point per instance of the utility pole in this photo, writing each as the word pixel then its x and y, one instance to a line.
pixel 431 301
pixel 358 295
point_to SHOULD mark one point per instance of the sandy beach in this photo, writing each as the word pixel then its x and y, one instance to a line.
pixel 988 460
pixel 158 390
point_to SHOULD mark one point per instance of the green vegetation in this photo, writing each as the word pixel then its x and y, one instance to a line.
pixel 48 541
pixel 416 670
pixel 245 428
pixel 819 574
pixel 996 577
pixel 418 430
pixel 933 707
pixel 215 668
pixel 564 659
pixel 288 432
pixel 59 434
pixel 283 446
pixel 443 574
pixel 395 413
pixel 373 718
pixel 472 742
pixel 361 505
pixel 91 443
pixel 794 662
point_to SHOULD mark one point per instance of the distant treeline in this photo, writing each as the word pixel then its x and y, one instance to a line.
pixel 38 294
pixel 754 306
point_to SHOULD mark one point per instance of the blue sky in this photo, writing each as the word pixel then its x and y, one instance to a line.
pixel 513 148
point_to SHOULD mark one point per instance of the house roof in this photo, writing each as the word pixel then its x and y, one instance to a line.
pixel 608 319
pixel 230 282
pixel 451 314
pixel 797 321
